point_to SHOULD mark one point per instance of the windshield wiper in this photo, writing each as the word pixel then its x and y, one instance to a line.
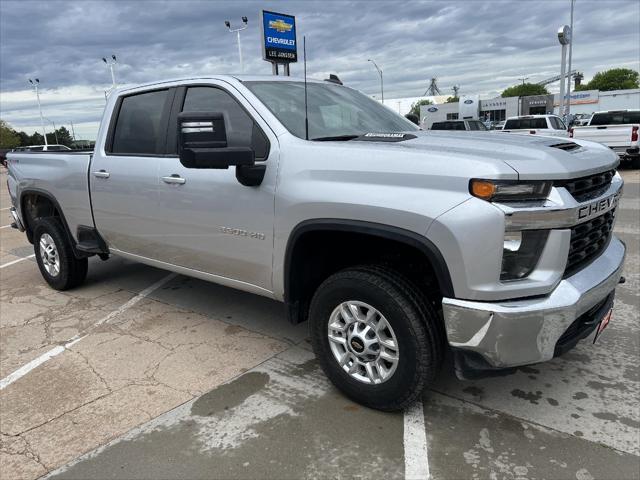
pixel 338 138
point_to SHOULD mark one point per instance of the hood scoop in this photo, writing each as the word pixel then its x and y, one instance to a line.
pixel 567 146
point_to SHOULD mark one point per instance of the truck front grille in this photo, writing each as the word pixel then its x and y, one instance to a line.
pixel 588 240
pixel 584 188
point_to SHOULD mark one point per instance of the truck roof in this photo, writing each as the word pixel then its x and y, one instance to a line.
pixel 229 77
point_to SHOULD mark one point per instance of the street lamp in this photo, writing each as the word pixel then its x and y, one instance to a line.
pixel 564 37
pixel 111 63
pixel 237 31
pixel 55 133
pixel 523 79
pixel 35 86
pixel 569 66
pixel 381 80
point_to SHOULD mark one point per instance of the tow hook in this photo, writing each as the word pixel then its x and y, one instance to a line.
pixel 622 280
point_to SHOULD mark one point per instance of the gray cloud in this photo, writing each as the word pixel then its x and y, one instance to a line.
pixel 484 46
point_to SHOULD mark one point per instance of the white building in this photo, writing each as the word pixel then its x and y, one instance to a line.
pixel 498 109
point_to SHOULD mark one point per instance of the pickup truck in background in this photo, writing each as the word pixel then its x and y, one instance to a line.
pixel 618 130
pixel 397 245
pixel 550 125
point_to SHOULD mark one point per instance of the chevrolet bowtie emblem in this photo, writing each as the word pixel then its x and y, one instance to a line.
pixel 280 25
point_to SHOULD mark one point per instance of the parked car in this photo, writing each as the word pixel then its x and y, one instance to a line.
pixel 42 148
pixel 581 119
pixel 459 125
pixel 395 244
pixel 550 125
pixel 617 129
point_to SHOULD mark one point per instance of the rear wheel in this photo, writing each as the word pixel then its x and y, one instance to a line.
pixel 54 254
pixel 375 336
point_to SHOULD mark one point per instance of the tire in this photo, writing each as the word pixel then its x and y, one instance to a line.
pixel 634 162
pixel 59 267
pixel 413 324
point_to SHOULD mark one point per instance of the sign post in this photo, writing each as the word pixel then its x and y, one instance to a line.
pixel 279 44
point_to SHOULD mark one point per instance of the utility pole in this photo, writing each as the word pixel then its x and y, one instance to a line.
pixel 569 68
pixel 111 64
pixel 237 31
pixel 381 79
pixel 35 86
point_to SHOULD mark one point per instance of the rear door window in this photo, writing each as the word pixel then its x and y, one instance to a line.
pixel 615 118
pixel 141 124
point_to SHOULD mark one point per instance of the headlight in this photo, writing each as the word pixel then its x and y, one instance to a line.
pixel 521 253
pixel 509 190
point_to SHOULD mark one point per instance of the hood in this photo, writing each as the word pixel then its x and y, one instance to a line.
pixel 531 156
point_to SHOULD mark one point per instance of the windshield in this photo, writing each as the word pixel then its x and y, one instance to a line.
pixel 333 110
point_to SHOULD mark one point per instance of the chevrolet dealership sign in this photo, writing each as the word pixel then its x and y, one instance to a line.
pixel 279 43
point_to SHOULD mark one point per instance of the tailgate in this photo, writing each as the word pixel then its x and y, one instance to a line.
pixel 610 135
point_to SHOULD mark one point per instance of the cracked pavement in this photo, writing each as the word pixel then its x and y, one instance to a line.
pixel 200 381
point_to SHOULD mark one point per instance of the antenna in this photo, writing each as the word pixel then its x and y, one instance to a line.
pixel 306 114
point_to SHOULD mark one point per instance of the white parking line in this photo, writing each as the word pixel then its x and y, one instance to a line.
pixel 416 461
pixel 3 209
pixel 13 262
pixel 5 226
pixel 22 371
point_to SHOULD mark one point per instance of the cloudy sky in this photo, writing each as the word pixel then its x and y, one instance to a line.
pixel 483 46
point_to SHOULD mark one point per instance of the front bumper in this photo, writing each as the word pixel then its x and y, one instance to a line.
pixel 498 335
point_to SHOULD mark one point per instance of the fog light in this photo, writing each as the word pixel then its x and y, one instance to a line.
pixel 521 253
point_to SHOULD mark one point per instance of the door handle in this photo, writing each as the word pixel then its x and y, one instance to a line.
pixel 101 174
pixel 174 179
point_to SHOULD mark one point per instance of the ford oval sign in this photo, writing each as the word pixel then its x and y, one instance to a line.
pixel 432 109
pixel 468 101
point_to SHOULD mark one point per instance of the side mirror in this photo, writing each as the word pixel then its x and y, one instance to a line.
pixel 202 143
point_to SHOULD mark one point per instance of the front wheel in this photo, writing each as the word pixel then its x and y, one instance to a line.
pixel 54 254
pixel 375 336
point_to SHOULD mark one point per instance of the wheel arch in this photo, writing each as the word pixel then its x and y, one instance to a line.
pixel 40 207
pixel 294 292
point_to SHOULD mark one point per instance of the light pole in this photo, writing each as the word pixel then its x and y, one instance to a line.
pixel 381 80
pixel 237 31
pixel 73 131
pixel 524 79
pixel 35 86
pixel 564 37
pixel 569 67
pixel 111 64
pixel 55 133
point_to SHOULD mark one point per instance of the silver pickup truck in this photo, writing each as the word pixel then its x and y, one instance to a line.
pixel 397 245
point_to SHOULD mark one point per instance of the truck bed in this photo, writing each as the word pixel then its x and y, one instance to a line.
pixel 64 175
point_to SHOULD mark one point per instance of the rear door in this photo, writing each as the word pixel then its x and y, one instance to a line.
pixel 124 173
pixel 210 222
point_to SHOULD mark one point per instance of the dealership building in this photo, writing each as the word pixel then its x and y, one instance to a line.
pixel 498 109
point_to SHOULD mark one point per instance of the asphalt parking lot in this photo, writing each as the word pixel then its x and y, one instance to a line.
pixel 144 374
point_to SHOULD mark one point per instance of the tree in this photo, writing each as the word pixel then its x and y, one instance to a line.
pixel 8 136
pixel 524 90
pixel 415 107
pixel 453 100
pixel 614 79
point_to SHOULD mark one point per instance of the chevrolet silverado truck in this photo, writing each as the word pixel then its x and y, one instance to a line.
pixel 617 129
pixel 550 125
pixel 397 245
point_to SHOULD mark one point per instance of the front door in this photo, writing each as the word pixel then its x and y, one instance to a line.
pixel 124 176
pixel 212 223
